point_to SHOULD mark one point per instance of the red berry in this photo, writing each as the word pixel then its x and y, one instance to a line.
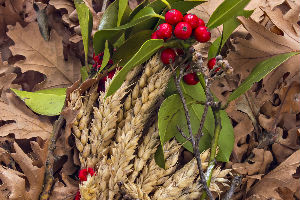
pixel 201 22
pixel 183 30
pixel 191 79
pixel 211 63
pixel 111 74
pixel 91 171
pixel 193 20
pixel 154 35
pixel 83 175
pixel 168 55
pixel 77 196
pixel 164 31
pixel 201 34
pixel 110 62
pixel 173 16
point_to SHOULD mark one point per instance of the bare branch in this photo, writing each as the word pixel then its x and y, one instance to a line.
pixel 234 184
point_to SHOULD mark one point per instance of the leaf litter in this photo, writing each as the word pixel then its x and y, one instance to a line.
pixel 266 119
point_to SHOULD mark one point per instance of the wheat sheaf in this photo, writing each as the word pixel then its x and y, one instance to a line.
pixel 118 136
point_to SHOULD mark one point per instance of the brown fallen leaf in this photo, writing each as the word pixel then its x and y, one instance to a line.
pixel 256 165
pixel 26 181
pixel 275 184
pixel 65 189
pixel 44 57
pixel 21 121
pixel 262 45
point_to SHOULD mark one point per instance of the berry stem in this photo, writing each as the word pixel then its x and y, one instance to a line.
pixel 167 4
pixel 160 16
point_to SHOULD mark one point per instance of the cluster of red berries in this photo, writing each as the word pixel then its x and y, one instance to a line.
pixel 98 61
pixel 184 27
pixel 82 175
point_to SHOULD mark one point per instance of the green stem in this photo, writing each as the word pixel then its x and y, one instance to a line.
pixel 160 16
pixel 214 146
pixel 167 4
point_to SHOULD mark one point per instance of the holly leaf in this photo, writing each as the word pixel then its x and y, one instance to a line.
pixel 113 34
pixel 259 72
pixel 86 24
pixel 228 27
pixel 45 102
pixel 145 52
pixel 134 43
pixel 123 4
pixel 227 10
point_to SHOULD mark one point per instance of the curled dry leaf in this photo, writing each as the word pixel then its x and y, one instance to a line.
pixel 21 121
pixel 280 180
pixel 65 190
pixel 44 57
pixel 26 180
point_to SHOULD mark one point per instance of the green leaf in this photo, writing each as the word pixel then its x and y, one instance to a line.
pixel 145 52
pixel 106 57
pixel 171 114
pixel 259 72
pixel 228 27
pixel 84 74
pixel 122 7
pixel 110 16
pixel 114 33
pixel 134 43
pixel 138 8
pixel 45 102
pixel 227 10
pixel 159 157
pixel 86 24
pixel 226 138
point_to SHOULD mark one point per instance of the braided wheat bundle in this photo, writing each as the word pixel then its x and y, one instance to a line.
pixel 119 144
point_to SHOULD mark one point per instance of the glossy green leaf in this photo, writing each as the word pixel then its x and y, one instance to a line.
pixel 145 52
pixel 259 72
pixel 110 16
pixel 226 138
pixel 171 114
pixel 45 102
pixel 159 157
pixel 86 24
pixel 114 33
pixel 106 57
pixel 138 8
pixel 225 11
pixel 228 27
pixel 122 7
pixel 122 55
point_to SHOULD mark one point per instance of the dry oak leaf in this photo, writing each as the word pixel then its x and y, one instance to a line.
pixel 64 4
pixel 256 165
pixel 21 121
pixel 261 46
pixel 281 178
pixel 27 184
pixel 65 190
pixel 42 56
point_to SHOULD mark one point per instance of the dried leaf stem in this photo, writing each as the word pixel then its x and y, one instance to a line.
pixel 49 179
pixel 193 140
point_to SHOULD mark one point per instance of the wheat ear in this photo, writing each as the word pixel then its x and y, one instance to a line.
pixel 123 150
pixel 152 175
pixel 145 151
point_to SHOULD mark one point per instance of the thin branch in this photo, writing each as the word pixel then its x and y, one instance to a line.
pixel 234 184
pixel 193 141
pixel 183 135
pixel 104 5
pixel 49 179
